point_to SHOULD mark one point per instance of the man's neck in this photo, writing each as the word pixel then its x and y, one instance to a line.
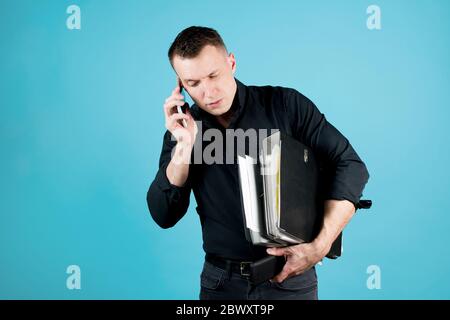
pixel 225 118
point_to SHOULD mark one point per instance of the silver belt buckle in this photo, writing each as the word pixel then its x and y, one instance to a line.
pixel 242 267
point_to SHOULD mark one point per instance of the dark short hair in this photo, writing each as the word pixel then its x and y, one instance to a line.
pixel 192 40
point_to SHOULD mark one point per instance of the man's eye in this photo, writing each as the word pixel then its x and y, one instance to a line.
pixel 194 84
pixel 213 76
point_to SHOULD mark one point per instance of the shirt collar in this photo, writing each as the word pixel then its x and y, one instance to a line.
pixel 242 93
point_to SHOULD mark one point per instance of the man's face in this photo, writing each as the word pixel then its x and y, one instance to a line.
pixel 209 79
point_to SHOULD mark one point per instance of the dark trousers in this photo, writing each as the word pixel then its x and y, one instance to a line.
pixel 220 284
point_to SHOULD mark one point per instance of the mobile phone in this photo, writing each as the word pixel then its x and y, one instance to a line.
pixel 181 109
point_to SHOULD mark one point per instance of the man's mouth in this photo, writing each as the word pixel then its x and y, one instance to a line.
pixel 214 104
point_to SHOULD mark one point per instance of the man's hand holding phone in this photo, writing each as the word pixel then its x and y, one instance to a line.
pixel 180 124
pixel 178 169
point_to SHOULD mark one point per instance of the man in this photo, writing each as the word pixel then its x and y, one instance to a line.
pixel 206 70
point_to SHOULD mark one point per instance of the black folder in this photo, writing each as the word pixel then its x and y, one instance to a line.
pixel 300 194
pixel 302 198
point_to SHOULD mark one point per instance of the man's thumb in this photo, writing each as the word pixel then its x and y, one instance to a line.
pixel 276 251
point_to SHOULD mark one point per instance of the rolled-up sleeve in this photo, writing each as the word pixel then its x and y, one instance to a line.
pixel 166 202
pixel 348 174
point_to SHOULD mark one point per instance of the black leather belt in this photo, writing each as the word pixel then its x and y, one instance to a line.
pixel 240 267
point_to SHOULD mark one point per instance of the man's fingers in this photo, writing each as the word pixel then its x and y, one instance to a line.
pixel 176 96
pixel 282 275
pixel 175 101
pixel 174 118
pixel 285 273
pixel 168 106
pixel 276 251
pixel 176 92
pixel 189 115
pixel 177 116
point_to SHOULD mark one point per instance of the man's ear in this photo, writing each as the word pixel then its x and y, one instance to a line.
pixel 232 61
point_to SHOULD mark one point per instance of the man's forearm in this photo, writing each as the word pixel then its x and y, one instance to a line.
pixel 178 169
pixel 337 214
pixel 302 257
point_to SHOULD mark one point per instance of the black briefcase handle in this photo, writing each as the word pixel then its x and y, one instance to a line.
pixel 364 204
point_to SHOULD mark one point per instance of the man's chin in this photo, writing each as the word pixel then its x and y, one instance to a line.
pixel 217 111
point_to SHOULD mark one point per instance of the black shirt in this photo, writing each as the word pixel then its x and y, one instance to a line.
pixel 216 186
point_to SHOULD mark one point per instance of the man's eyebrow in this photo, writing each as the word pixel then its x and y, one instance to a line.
pixel 187 80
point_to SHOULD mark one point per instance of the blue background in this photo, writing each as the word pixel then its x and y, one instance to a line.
pixel 81 129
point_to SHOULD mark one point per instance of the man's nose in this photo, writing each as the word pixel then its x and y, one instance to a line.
pixel 208 90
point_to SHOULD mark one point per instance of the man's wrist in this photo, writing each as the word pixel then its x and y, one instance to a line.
pixel 322 246
pixel 178 169
pixel 182 154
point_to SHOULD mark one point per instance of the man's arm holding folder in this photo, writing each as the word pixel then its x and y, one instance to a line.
pixel 304 256
pixel 348 178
